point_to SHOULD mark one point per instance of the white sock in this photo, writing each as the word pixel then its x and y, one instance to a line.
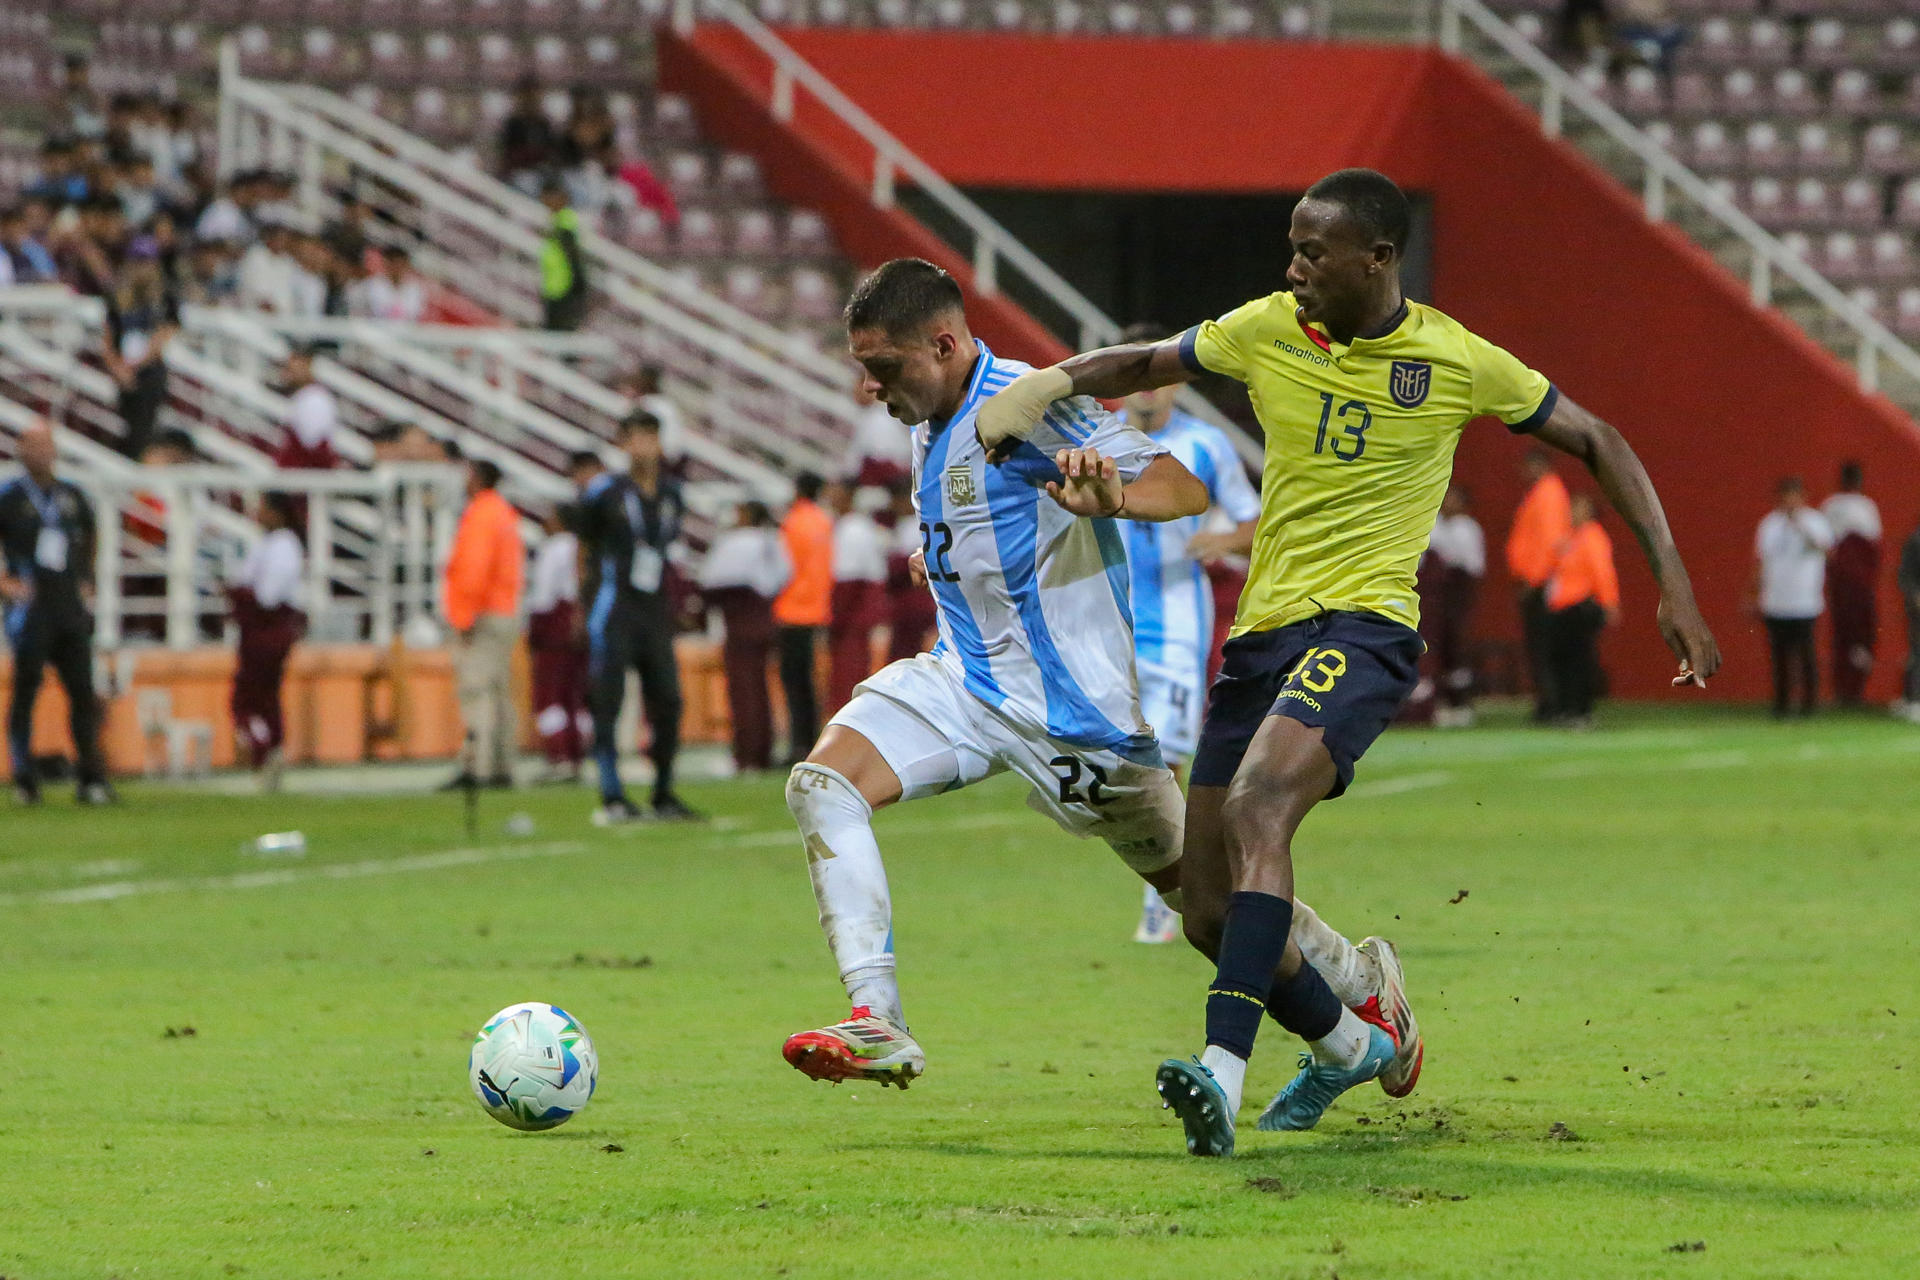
pixel 1229 1072
pixel 1345 1045
pixel 1332 956
pixel 849 883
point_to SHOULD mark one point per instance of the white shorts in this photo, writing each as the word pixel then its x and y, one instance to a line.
pixel 936 736
pixel 1173 699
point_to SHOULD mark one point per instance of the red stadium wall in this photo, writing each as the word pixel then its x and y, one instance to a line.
pixel 1534 246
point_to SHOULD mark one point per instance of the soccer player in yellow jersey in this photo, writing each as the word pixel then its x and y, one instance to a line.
pixel 1362 396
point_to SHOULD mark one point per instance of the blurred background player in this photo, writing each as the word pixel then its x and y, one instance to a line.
pixel 1034 670
pixel 1583 598
pixel 481 602
pixel 1325 647
pixel 1450 575
pixel 911 612
pixel 313 418
pixel 1908 580
pixel 1540 527
pixel 746 567
pixel 627 527
pixel 880 452
pixel 265 594
pixel 46 590
pixel 555 641
pixel 1853 568
pixel 1790 577
pixel 1171 596
pixel 803 608
pixel 858 606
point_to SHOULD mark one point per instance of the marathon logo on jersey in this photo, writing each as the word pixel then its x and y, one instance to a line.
pixel 1408 382
pixel 960 491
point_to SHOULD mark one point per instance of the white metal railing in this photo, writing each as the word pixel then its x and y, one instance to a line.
pixel 482 237
pixel 1666 182
pixel 168 538
pixel 994 250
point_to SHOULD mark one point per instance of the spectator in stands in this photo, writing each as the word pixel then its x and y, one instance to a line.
pixel 648 191
pixel 555 636
pixel 270 275
pixel 1789 591
pixel 264 595
pixel 329 278
pixel 1540 528
pixel 347 233
pixel 1853 572
pixel 169 448
pixel 643 387
pixel 76 108
pixel 528 145
pixel 1582 31
pixel 858 606
pixel 60 178
pixel 482 605
pixel 313 416
pixel 93 251
pixel 396 440
pixel 1583 597
pixel 231 217
pixel 563 268
pixel 1647 30
pixel 911 613
pixel 142 317
pixel 139 194
pixel 1908 578
pixel 395 292
pixel 47 539
pixel 803 608
pixel 881 451
pixel 746 567
pixel 1450 575
pixel 213 278
pixel 590 127
pixel 26 260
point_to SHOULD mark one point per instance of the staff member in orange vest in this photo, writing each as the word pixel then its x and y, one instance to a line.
pixel 1583 596
pixel 1540 529
pixel 482 605
pixel 802 609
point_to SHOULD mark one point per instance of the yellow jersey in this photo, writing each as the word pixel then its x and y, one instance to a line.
pixel 1359 448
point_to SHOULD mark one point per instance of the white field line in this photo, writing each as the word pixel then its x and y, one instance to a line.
pixel 1406 782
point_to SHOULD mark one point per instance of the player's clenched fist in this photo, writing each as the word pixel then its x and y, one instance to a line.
pixel 1090 483
pixel 1009 416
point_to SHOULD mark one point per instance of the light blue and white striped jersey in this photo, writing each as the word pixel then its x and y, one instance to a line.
pixel 1033 600
pixel 1172 599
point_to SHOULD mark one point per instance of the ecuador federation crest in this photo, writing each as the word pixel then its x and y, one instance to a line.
pixel 960 485
pixel 1408 381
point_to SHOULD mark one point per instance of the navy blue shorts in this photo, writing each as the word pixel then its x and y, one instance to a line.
pixel 1343 673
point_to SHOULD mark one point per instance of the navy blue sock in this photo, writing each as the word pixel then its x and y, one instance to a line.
pixel 1304 1004
pixel 1251 944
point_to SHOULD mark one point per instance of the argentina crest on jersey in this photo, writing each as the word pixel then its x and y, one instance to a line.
pixel 1408 381
pixel 960 491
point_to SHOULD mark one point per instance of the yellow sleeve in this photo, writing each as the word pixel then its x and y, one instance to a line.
pixel 1223 345
pixel 1507 389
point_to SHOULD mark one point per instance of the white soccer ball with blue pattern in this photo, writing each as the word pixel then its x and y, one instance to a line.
pixel 532 1066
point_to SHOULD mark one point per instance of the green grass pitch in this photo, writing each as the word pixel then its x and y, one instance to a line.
pixel 1667 972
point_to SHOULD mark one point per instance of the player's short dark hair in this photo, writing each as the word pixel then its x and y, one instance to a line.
pixel 1146 331
pixel 583 458
pixel 487 473
pixel 902 296
pixel 1374 202
pixel 638 420
pixel 808 485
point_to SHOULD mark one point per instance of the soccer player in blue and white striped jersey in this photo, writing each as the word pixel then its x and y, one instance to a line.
pixel 1172 597
pixel 1034 669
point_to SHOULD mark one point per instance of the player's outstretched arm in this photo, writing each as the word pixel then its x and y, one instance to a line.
pixel 1009 415
pixel 1090 485
pixel 1614 464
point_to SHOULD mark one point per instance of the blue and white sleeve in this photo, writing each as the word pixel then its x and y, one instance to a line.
pixel 1129 447
pixel 1232 492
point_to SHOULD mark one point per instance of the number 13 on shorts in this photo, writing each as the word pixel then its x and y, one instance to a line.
pixel 1318 669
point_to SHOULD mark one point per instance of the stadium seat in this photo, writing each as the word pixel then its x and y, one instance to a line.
pixel 187 52
pixel 322 57
pixel 554 57
pixel 1908 107
pixel 260 57
pixel 739 176
pixel 1792 93
pixel 603 17
pixel 1762 148
pixel 1740 93
pixel 390 59
pixel 1710 150
pixel 445 59
pixel 1766 44
pixel 1841 259
pixel 605 64
pixel 1817 150
pixel 1897 45
pixel 1892 258
pixel 1854 93
pixel 503 59
pixel 1812 203
pixel 1007 15
pixel 1694 96
pixel 645 232
pixel 812 295
pixel 1826 46
pixel 756 234
pixel 1181 19
pixel 700 234
pixel 1860 203
pixel 1884 149
pixel 747 287
pixel 1870 300
pixel 1714 44
pixel 1798 244
pixel 1662 133
pixel 1766 203
pixel 807 234
pixel 1906 313
pixel 686 174
pixel 1640 95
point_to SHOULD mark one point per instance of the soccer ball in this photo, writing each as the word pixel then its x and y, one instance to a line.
pixel 532 1066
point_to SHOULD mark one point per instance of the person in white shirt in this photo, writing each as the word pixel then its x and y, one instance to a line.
pixel 396 293
pixel 1790 590
pixel 880 453
pixel 557 642
pixel 643 385
pixel 268 273
pixel 745 568
pixel 313 418
pixel 1450 577
pixel 859 601
pixel 265 594
pixel 1852 571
